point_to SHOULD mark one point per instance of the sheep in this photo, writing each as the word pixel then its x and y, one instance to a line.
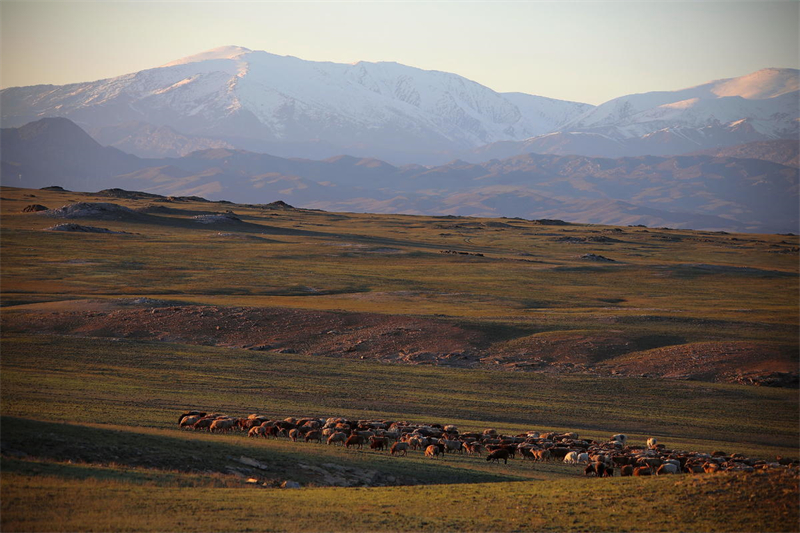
pixel 337 437
pixel 314 435
pixel 256 431
pixel 583 458
pixel 354 440
pixel 626 470
pixel 199 414
pixel 642 471
pixel 571 458
pixel 432 451
pixel 190 420
pixel 398 447
pixel 498 454
pixel 222 425
pixel 667 468
pixel 527 453
pixel 377 443
pixel 473 448
pixel 453 445
pixel 620 438
pixel 652 442
pixel 294 433
pixel 599 469
pixel 542 455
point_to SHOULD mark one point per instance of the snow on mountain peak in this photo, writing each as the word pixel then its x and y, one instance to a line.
pixel 221 52
pixel 762 84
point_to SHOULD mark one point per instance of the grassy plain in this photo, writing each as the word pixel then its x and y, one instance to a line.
pixel 89 437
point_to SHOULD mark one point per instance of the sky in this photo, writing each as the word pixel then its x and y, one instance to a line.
pixel 589 51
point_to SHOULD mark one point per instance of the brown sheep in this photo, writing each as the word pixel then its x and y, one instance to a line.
pixel 354 440
pixel 432 451
pixel 314 435
pixel 498 454
pixel 398 447
pixel 377 443
pixel 294 434
pixel 642 471
pixel 626 470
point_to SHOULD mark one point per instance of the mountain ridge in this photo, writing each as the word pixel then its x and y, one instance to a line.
pixel 692 191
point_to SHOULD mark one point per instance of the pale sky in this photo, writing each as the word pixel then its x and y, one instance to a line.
pixel 588 51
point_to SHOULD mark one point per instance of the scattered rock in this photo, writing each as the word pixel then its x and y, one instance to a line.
pixel 98 210
pixel 33 208
pixel 460 253
pixel 54 188
pixel 595 257
pixel 227 217
pixel 77 228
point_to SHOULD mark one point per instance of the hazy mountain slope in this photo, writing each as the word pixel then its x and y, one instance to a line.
pixel 700 191
pixel 784 152
pixel 260 100
pixel 761 106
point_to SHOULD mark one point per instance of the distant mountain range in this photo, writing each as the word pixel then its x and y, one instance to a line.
pixel 695 191
pixel 232 97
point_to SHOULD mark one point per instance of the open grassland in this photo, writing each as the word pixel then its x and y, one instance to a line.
pixel 90 440
pixel 89 435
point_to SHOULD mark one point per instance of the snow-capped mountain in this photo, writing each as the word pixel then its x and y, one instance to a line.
pixel 761 106
pixel 289 106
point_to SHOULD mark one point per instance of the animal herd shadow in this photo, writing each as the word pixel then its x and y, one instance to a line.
pixel 95 447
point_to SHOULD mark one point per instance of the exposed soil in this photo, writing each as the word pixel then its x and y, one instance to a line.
pixel 412 340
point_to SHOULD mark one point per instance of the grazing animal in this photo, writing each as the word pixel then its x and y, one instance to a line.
pixel 199 414
pixel 571 458
pixel 354 440
pixel 620 438
pixel 293 434
pixel 667 468
pixel 473 448
pixel 432 451
pixel 642 471
pixel 256 431
pixel 398 447
pixel 626 470
pixel 314 435
pixel 652 442
pixel 337 437
pixel 377 443
pixel 496 455
pixel 527 453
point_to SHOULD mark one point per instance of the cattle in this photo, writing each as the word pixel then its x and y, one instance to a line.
pixel 398 447
pixel 496 455
pixel 432 451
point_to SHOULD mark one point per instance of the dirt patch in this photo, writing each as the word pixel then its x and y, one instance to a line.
pixel 738 362
pixel 412 340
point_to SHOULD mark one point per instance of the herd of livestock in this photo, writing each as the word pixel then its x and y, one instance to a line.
pixel 602 459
